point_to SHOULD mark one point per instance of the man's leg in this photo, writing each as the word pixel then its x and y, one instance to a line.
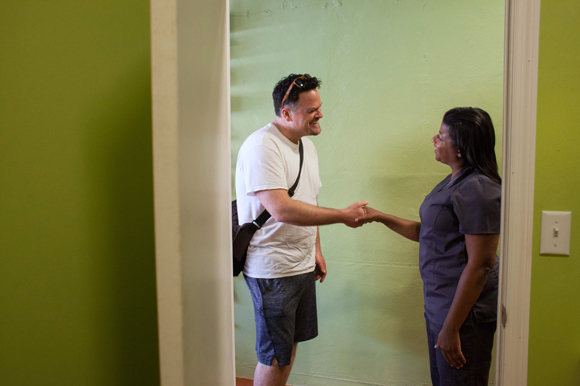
pixel 289 368
pixel 285 313
pixel 273 375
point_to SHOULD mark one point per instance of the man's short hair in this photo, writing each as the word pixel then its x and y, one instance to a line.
pixel 283 85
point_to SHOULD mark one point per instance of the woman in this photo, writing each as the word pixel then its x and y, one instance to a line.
pixel 458 236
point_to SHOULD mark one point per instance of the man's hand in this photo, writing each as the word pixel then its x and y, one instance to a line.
pixel 354 213
pixel 320 269
pixel 450 345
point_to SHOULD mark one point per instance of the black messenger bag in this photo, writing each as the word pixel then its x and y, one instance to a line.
pixel 242 234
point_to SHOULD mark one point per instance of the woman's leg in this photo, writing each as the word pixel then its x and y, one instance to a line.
pixel 476 345
pixel 431 341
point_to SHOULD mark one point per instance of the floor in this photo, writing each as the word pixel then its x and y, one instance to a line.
pixel 245 382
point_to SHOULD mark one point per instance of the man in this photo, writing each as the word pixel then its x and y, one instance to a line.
pixel 284 259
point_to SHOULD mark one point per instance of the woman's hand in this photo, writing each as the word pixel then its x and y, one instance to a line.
pixel 369 216
pixel 450 345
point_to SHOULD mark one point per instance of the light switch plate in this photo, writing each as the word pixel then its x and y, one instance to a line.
pixel 556 227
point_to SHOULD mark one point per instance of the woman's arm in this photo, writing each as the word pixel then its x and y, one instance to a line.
pixel 481 253
pixel 406 228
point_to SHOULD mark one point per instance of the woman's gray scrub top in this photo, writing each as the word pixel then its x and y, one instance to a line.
pixel 469 205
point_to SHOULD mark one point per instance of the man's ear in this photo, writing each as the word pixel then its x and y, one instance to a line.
pixel 286 114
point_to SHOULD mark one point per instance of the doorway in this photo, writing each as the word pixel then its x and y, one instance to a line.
pixel 389 72
pixel 177 139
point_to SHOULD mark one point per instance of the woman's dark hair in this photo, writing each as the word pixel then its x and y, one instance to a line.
pixel 310 83
pixel 472 132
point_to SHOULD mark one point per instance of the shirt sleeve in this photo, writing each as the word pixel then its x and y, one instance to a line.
pixel 477 204
pixel 263 169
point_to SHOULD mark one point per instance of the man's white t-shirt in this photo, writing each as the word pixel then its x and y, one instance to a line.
pixel 268 160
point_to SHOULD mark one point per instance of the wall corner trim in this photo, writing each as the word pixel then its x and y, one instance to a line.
pixel 520 110
pixel 192 191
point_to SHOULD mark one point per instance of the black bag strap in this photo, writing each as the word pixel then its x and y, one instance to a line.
pixel 262 218
pixel 293 188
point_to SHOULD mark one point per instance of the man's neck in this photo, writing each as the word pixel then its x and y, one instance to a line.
pixel 286 131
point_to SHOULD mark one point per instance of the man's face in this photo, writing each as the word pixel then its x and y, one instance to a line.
pixel 307 113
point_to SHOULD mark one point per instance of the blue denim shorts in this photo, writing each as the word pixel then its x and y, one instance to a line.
pixel 285 313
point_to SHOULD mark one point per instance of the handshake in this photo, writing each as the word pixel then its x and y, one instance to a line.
pixel 358 214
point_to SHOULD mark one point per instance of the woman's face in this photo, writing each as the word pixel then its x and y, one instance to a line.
pixel 445 150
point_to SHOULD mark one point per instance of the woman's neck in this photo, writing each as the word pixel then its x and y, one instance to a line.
pixel 456 169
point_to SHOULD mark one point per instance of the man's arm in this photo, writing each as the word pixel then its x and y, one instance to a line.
pixel 286 210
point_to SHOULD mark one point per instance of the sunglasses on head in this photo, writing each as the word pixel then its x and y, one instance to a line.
pixel 299 82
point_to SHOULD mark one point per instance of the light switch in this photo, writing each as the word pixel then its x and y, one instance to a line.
pixel 556 227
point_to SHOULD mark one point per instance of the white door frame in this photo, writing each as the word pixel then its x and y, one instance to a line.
pixel 522 32
pixel 192 189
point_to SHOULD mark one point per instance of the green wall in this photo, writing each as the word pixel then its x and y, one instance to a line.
pixel 77 273
pixel 554 346
pixel 390 69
